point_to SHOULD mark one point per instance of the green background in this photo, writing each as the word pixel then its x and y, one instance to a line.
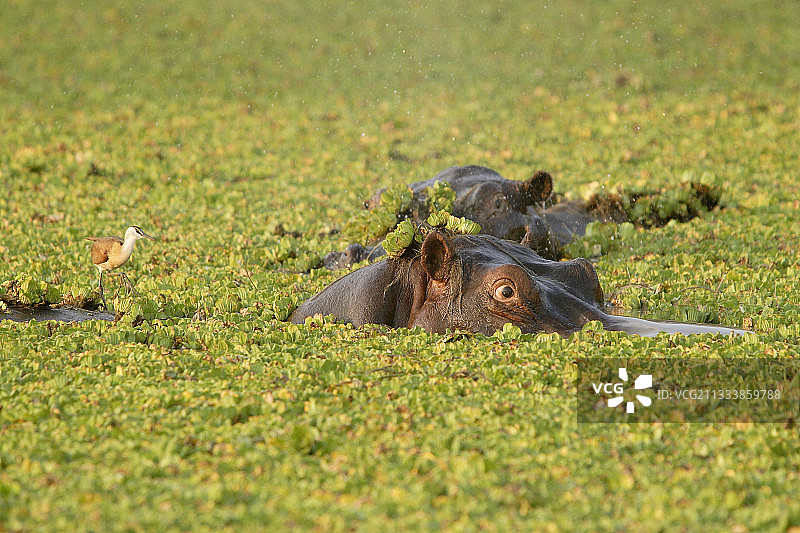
pixel 244 135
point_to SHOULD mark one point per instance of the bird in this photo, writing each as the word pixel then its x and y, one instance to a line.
pixel 109 253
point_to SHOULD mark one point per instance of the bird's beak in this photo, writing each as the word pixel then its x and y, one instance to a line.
pixel 148 236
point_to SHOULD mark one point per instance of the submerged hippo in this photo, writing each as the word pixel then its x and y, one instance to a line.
pixel 504 208
pixel 477 283
pixel 499 205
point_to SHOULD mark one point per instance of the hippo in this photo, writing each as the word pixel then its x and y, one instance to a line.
pixel 499 205
pixel 504 208
pixel 477 283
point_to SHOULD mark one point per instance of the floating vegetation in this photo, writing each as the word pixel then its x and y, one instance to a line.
pixel 26 290
pixel 407 237
pixel 402 238
pixel 648 207
pixel 444 220
pixel 622 211
pixel 439 197
pixel 370 225
pixel 601 238
pixel 190 414
pixel 396 204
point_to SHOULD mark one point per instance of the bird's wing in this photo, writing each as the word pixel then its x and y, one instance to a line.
pixel 102 246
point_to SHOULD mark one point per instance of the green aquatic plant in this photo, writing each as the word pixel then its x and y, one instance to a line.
pixel 444 220
pixel 601 238
pixel 407 236
pixel 397 199
pixel 404 236
pixel 200 417
pixel 640 207
pixel 28 290
pixel 649 207
pixel 369 225
pixel 439 197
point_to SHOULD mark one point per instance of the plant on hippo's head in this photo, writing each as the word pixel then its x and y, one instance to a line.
pixel 444 220
pixel 440 197
pixel 406 235
pixel 409 236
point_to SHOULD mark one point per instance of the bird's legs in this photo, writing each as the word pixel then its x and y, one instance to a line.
pixel 128 285
pixel 128 282
pixel 102 295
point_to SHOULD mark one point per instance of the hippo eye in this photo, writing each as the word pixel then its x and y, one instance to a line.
pixel 504 292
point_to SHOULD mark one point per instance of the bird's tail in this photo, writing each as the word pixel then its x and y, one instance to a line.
pixel 92 238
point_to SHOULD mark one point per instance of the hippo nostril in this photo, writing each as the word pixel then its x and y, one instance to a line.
pixel 586 271
pixel 586 268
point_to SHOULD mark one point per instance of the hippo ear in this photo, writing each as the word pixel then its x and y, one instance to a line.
pixel 538 188
pixel 437 255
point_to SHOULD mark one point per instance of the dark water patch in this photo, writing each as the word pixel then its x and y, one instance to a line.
pixel 62 314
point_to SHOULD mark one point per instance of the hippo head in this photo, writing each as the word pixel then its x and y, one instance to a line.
pixel 506 208
pixel 480 283
pixel 477 283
